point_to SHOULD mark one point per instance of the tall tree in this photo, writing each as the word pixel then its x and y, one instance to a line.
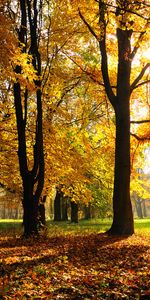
pixel 123 18
pixel 32 175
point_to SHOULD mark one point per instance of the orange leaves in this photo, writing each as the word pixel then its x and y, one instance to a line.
pixel 91 266
pixel 7 38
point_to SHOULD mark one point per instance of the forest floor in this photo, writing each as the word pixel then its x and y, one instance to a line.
pixel 74 266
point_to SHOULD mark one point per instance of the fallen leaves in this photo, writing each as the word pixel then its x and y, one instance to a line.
pixel 93 266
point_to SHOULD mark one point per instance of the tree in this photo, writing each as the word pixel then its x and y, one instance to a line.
pixel 41 212
pixel 32 174
pixel 87 212
pixel 124 17
pixel 74 212
pixel 64 207
pixel 57 205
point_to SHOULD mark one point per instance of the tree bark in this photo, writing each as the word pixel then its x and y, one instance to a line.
pixel 144 209
pixel 122 209
pixel 41 212
pixel 123 216
pixel 57 206
pixel 64 208
pixel 74 212
pixel 87 212
pixel 33 179
pixel 138 205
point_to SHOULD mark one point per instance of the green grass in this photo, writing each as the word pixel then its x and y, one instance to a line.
pixel 142 225
pixel 9 227
pixel 84 226
pixel 94 226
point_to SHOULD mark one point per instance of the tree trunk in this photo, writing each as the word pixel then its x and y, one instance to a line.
pixel 119 98
pixel 74 212
pixel 30 216
pixel 144 209
pixel 33 179
pixel 87 212
pixel 57 206
pixel 41 212
pixel 122 210
pixel 123 216
pixel 138 204
pixel 64 208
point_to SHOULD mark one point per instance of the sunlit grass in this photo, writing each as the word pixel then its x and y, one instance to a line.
pixel 142 225
pixel 93 226
pixel 83 227
pixel 14 227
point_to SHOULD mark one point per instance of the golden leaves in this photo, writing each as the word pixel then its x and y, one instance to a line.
pixel 57 267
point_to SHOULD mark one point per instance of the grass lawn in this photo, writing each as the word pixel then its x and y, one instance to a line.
pixel 95 226
pixel 83 227
pixel 74 262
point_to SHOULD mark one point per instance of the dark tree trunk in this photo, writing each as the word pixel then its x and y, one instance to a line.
pixel 57 206
pixel 87 212
pixel 122 210
pixel 119 99
pixel 123 216
pixel 33 179
pixel 64 208
pixel 74 212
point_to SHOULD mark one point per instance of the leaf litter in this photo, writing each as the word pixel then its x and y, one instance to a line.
pixel 93 266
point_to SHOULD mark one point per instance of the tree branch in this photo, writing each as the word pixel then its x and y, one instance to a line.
pixel 66 91
pixel 141 139
pixel 140 122
pixel 88 25
pixel 85 71
pixel 136 47
pixel 127 10
pixel 103 51
pixel 135 82
pixel 141 83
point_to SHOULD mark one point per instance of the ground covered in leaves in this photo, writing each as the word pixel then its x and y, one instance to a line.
pixel 92 266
